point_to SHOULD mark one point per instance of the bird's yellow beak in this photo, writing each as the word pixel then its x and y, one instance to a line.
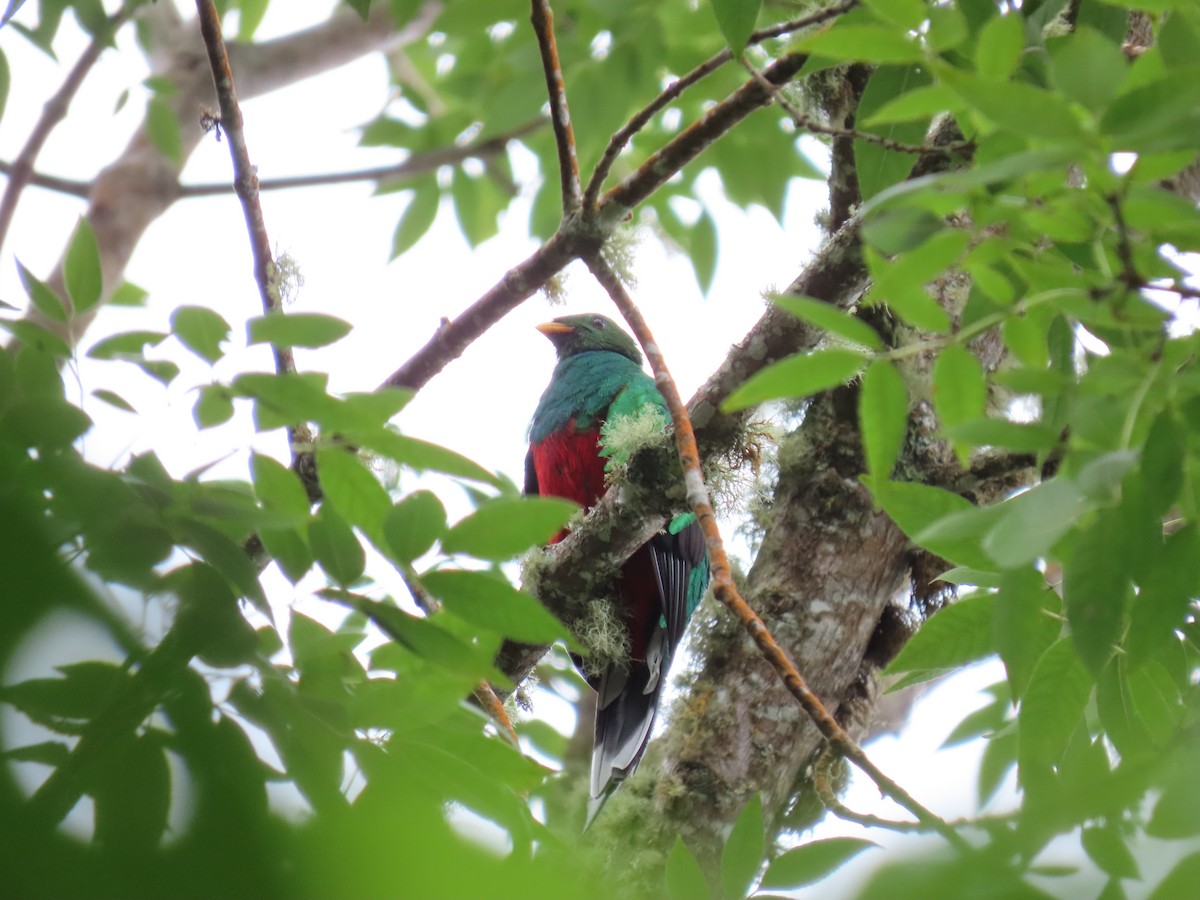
pixel 551 328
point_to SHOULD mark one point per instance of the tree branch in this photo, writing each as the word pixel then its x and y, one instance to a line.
pixel 621 139
pixel 560 115
pixel 724 587
pixel 142 183
pixel 54 112
pixel 418 164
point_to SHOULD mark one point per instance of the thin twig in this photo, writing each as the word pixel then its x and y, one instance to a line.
pixel 245 180
pixel 53 112
pixel 805 122
pixel 484 692
pixel 723 585
pixel 560 115
pixel 618 141
pixel 495 708
pixel 699 136
pixel 417 164
pixel 823 788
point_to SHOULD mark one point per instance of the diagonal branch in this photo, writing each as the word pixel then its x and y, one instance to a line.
pixel 564 134
pixel 701 134
pixel 621 139
pixel 245 181
pixel 723 585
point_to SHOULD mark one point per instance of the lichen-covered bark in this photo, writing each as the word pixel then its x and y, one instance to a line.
pixel 828 566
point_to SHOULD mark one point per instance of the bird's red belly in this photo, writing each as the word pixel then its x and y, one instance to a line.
pixel 568 464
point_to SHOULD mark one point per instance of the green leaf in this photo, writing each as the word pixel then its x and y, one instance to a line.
pixel 417 217
pixel 279 489
pixel 200 330
pixel 289 549
pixel 353 491
pixel 999 755
pixel 1176 815
pixel 985 720
pixel 431 642
pixel 128 294
pixel 296 329
pixel 477 204
pixel 959 390
pixel 163 127
pixel 1025 623
pixel 917 507
pixel 1162 461
pixel 685 878
pixel 1180 883
pixel 921 104
pixel 743 850
pixel 1027 437
pixel 1096 589
pixel 907 14
pixel 81 269
pixel 1087 67
pixel 1108 850
pixel 800 375
pixel 251 16
pixel 506 526
pixel 413 525
pixel 42 295
pixel 1031 523
pixel 736 20
pixel 5 81
pixel 957 536
pixel 48 753
pixel 879 167
pixel 113 399
pixel 214 406
pixel 883 418
pixel 1000 44
pixel 335 546
pixel 227 558
pixel 132 790
pixel 869 43
pixel 491 602
pixel 955 635
pixel 1016 106
pixel 1161 605
pixel 830 318
pixel 812 861
pixel 126 344
pixel 901 282
pixel 703 250
pixel 1053 705
pixel 83 693
pixel 422 455
pixel 1138 118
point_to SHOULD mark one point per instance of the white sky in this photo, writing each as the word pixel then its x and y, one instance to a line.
pixel 198 254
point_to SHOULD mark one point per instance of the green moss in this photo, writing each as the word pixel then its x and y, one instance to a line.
pixel 623 436
pixel 603 634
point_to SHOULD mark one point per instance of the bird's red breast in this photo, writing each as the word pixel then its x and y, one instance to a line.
pixel 568 464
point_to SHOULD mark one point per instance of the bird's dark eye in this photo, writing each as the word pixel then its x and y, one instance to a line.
pixel 598 322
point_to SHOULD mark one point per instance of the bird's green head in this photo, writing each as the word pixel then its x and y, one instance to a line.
pixel 589 331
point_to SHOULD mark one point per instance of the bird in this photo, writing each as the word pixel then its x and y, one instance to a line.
pixel 597 379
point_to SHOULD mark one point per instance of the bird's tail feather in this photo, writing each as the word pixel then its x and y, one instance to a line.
pixel 623 726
